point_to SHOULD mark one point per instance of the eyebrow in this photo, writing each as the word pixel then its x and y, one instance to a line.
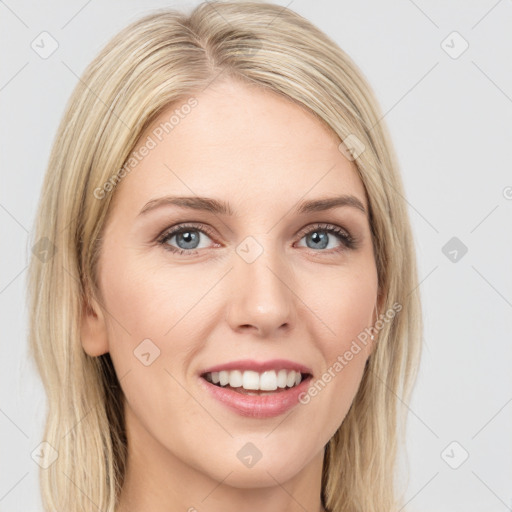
pixel 222 208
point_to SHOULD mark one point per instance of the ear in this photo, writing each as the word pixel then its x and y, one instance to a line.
pixel 93 329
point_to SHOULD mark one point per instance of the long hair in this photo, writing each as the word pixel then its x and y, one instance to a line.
pixel 165 58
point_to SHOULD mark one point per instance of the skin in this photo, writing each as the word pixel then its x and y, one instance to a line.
pixel 263 155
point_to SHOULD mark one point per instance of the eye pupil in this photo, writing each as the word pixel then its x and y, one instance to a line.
pixel 319 238
pixel 190 238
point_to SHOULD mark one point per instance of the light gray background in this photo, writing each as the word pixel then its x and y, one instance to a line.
pixel 450 120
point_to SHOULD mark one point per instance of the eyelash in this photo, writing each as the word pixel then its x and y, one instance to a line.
pixel 346 239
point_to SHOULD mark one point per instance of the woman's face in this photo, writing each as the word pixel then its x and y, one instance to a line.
pixel 266 281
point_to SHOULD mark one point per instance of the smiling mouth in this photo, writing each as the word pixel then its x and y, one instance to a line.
pixel 254 383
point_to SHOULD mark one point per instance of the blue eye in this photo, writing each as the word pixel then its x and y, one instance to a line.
pixel 188 238
pixel 320 236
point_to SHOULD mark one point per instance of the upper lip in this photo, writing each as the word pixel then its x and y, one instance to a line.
pixel 258 366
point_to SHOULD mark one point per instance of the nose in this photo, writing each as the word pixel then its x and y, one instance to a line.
pixel 261 297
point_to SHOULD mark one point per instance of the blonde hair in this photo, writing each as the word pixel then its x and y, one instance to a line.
pixel 158 60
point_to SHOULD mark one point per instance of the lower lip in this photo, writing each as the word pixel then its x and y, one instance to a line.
pixel 257 406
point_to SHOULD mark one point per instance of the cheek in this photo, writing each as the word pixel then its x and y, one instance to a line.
pixel 345 303
pixel 148 300
pixel 346 309
pixel 148 340
pixel 153 321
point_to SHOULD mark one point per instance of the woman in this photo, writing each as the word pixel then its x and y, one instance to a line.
pixel 231 311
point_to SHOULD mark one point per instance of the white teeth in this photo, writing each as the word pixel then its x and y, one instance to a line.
pixel 235 379
pixel 268 381
pixel 290 381
pixel 223 378
pixel 250 380
pixel 281 378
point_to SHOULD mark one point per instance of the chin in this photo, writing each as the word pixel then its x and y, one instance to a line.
pixel 256 473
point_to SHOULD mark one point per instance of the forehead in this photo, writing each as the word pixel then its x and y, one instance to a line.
pixel 244 144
